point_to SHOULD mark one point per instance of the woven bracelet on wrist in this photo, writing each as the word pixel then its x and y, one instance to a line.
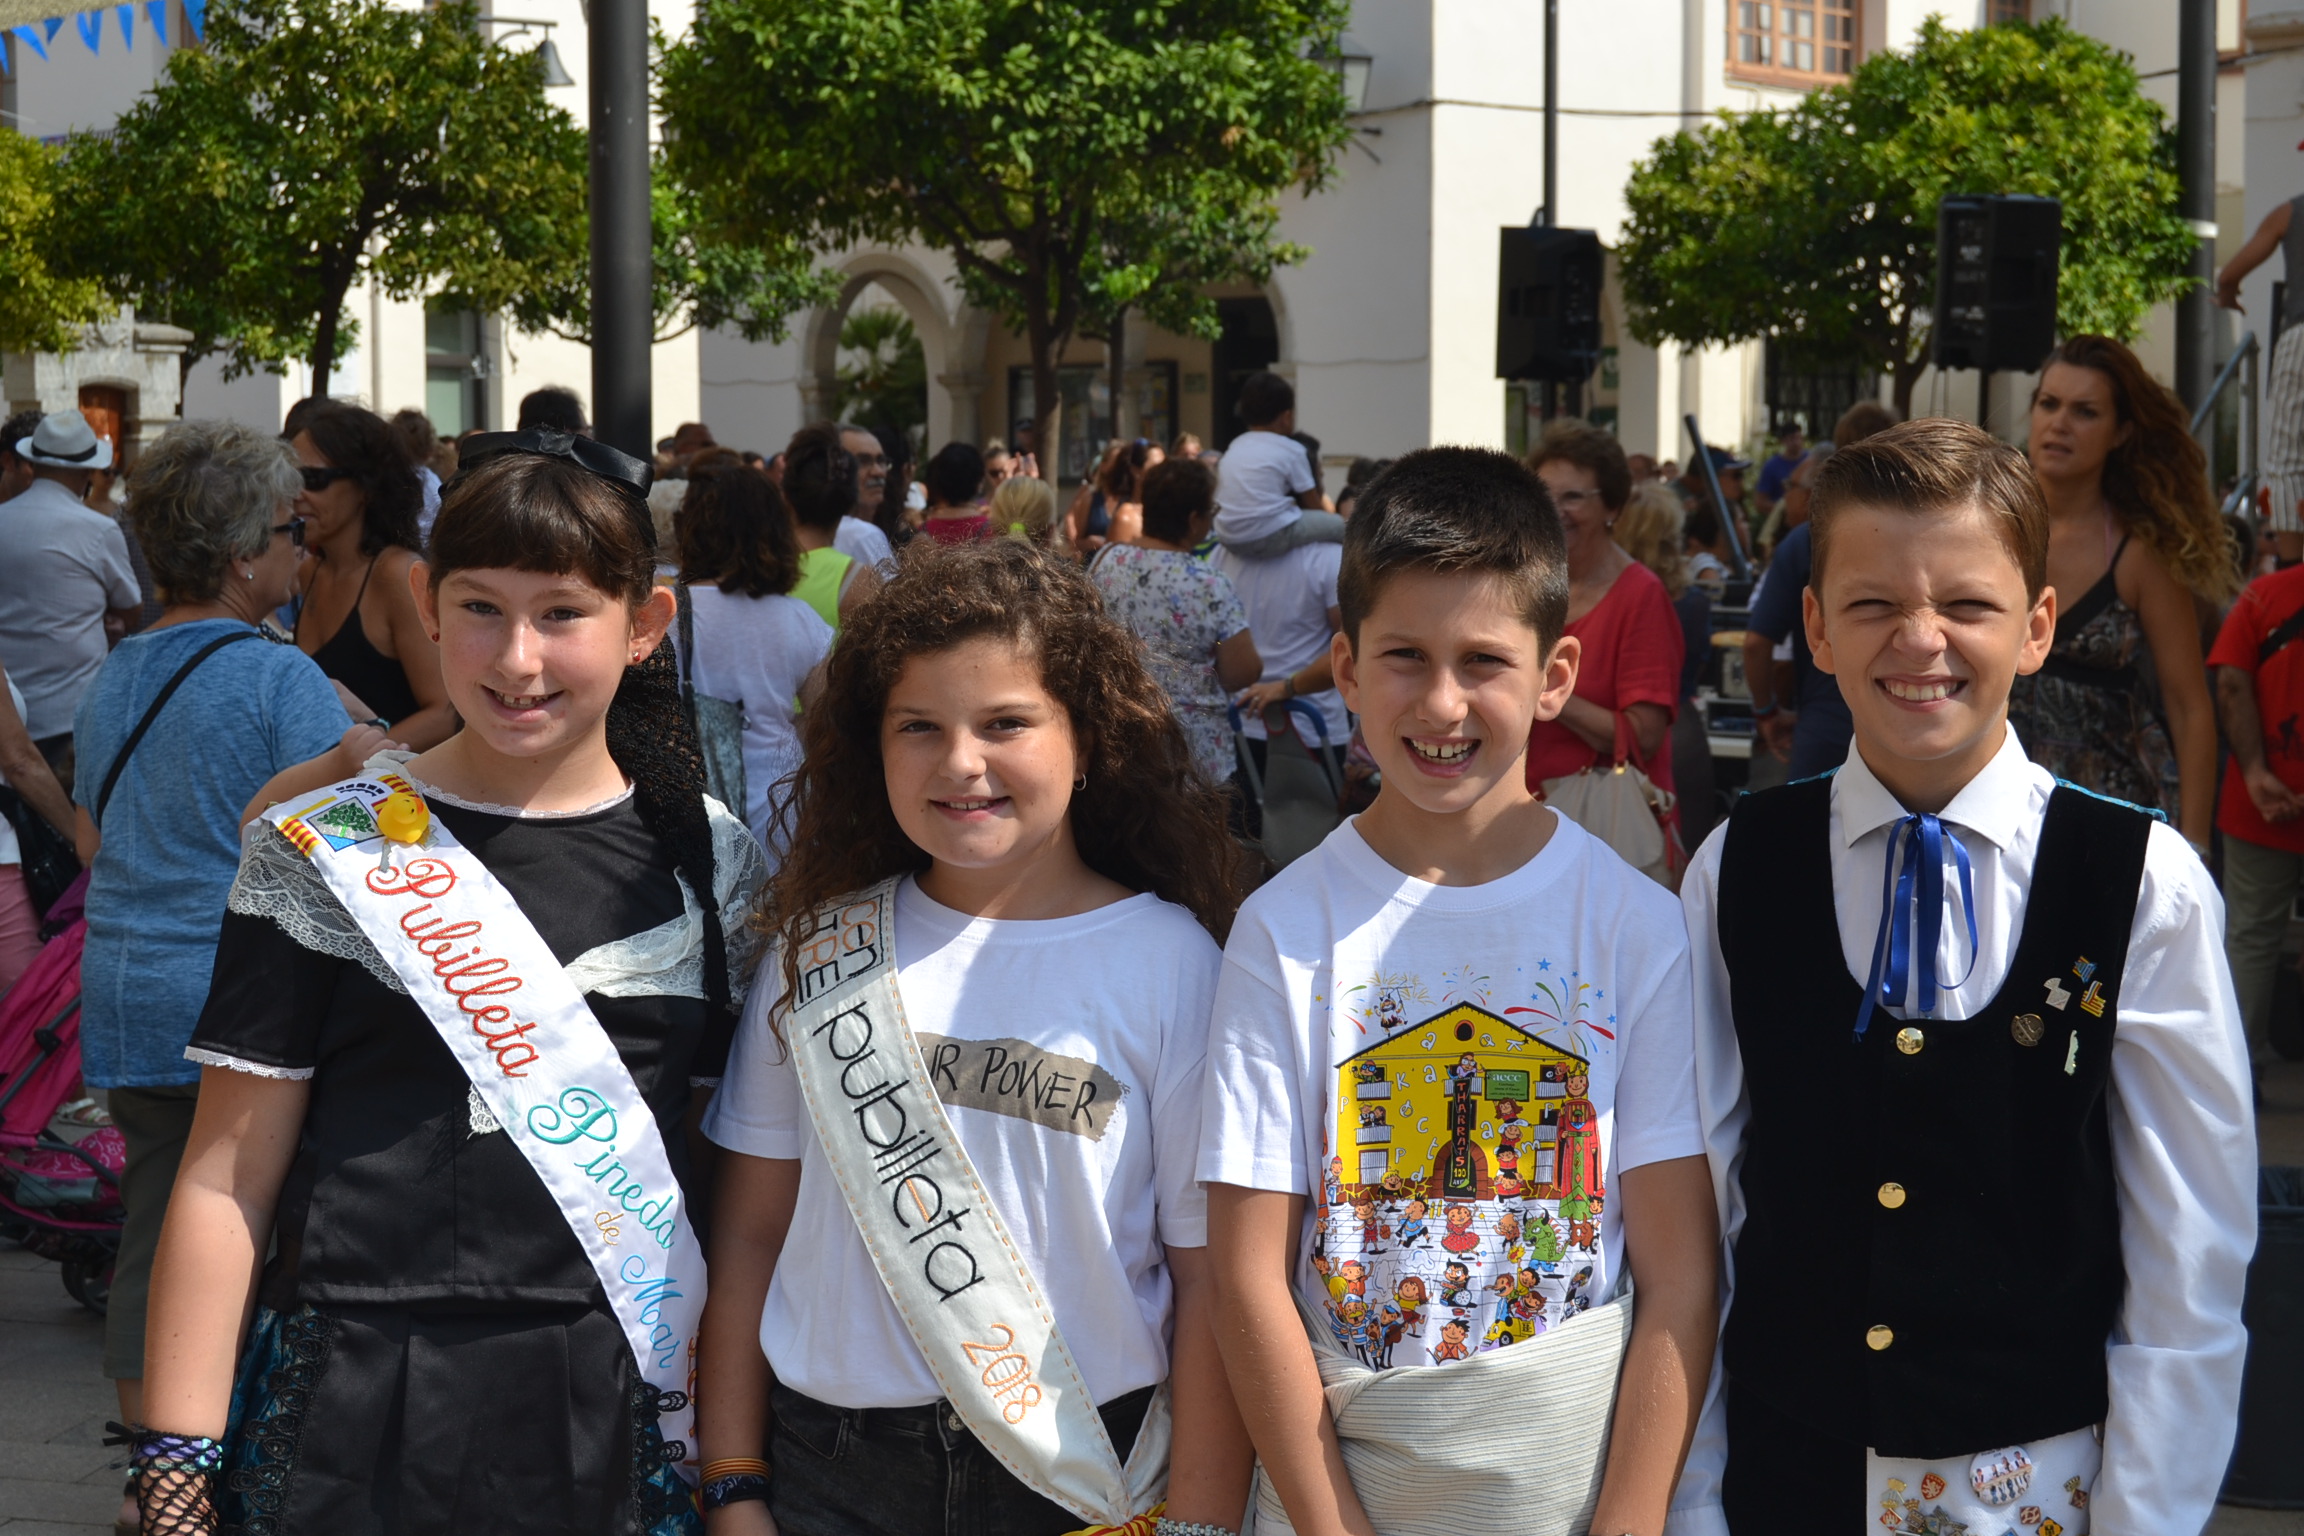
pixel 150 1450
pixel 733 1488
pixel 1168 1527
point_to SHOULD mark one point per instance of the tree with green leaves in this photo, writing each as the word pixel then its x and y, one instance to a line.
pixel 1073 157
pixel 312 142
pixel 1815 226
pixel 42 309
pixel 699 281
pixel 886 386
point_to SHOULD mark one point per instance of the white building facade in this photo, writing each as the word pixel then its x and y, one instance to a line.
pixel 1387 328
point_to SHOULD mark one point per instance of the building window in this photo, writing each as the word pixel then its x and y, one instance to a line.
pixel 451 369
pixel 1086 392
pixel 2011 10
pixel 1803 42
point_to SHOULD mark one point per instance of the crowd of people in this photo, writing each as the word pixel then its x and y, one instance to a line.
pixel 521 878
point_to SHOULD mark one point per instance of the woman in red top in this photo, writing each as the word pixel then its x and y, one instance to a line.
pixel 955 479
pixel 1618 608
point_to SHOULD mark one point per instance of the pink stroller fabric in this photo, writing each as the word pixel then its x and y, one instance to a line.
pixel 38 996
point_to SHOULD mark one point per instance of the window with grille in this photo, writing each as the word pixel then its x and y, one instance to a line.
pixel 2011 10
pixel 1804 41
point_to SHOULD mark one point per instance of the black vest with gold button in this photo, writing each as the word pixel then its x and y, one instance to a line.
pixel 1930 1256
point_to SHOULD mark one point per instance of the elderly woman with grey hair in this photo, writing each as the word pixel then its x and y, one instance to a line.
pixel 181 727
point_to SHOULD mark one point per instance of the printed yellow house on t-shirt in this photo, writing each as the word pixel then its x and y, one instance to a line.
pixel 1468 1106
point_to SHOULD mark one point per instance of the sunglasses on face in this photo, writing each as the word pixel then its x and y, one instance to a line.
pixel 318 477
pixel 294 528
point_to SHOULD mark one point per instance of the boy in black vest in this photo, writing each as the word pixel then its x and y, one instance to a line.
pixel 1989 1207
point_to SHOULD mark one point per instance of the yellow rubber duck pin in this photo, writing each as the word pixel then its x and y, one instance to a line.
pixel 402 818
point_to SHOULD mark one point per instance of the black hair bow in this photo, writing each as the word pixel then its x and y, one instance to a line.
pixel 619 469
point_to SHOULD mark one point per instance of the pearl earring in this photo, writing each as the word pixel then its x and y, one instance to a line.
pixel 251 575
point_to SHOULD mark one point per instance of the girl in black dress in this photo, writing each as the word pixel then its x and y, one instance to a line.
pixel 428 1349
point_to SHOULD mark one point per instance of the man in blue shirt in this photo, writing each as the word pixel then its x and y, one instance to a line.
pixel 1812 725
pixel 1778 469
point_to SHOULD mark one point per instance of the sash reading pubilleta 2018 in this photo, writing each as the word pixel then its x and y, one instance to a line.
pixel 943 1252
pixel 540 1061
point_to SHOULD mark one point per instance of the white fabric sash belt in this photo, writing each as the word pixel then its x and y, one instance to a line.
pixel 539 1060
pixel 1515 1437
pixel 964 1291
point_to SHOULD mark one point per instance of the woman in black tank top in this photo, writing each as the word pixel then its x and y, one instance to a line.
pixel 360 506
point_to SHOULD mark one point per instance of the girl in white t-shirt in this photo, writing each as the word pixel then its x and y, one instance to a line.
pixel 989 734
pixel 757 646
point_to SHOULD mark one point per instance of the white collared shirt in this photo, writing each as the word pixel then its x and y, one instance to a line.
pixel 2183 1129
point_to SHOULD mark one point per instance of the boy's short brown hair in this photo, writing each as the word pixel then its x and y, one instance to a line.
pixel 1934 465
pixel 1458 511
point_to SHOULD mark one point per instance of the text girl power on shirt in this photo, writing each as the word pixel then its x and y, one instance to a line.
pixel 465 975
pixel 847 943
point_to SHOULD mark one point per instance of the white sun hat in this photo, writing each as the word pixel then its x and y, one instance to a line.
pixel 64 440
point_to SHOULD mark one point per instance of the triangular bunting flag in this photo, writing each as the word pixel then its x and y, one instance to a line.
pixel 54 25
pixel 32 41
pixel 91 24
pixel 156 12
pixel 127 15
pixel 196 17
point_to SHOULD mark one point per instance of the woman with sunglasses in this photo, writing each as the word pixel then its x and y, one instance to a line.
pixel 357 617
pixel 182 724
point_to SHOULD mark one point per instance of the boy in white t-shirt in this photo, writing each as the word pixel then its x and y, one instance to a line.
pixel 1450 1097
pixel 1268 498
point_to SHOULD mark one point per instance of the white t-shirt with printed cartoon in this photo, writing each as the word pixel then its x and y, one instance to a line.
pixel 1457 1076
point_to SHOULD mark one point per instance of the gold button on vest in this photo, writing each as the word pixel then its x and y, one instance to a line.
pixel 1909 1040
pixel 1892 1195
pixel 1880 1336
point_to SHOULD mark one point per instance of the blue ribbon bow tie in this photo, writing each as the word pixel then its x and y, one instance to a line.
pixel 1919 884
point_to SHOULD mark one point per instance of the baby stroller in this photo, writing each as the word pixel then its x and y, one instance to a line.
pixel 59 1199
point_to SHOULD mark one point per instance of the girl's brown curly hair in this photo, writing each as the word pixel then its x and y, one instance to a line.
pixel 1146 819
pixel 2157 481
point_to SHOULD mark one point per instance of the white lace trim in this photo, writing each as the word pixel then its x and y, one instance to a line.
pixel 252 1068
pixel 277 882
pixel 668 960
pixel 396 760
pixel 479 1119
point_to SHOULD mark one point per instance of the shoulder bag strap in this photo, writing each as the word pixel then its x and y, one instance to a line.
pixel 2279 639
pixel 687 657
pixel 152 713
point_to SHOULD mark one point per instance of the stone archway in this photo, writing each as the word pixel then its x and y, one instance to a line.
pixel 951 343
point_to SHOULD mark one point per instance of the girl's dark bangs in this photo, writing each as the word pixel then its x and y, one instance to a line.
pixel 537 515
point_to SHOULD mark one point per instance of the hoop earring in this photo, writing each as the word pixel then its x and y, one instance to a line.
pixel 1080 783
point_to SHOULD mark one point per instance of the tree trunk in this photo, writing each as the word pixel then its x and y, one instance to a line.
pixel 1047 405
pixel 324 347
pixel 1902 378
pixel 1116 359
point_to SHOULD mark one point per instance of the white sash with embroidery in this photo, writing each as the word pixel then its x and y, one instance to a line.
pixel 539 1060
pixel 964 1291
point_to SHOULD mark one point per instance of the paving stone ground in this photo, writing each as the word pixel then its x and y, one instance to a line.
pixel 55 1477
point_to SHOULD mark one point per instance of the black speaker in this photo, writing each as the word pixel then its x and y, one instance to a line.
pixel 1996 282
pixel 1548 304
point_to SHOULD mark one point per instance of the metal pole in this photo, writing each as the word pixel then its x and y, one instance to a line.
pixel 1552 112
pixel 2196 168
pixel 623 311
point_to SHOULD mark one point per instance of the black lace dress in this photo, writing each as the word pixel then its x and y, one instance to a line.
pixel 433 1352
pixel 2091 714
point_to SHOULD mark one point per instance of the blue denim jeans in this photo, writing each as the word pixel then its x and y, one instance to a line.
pixel 910 1472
